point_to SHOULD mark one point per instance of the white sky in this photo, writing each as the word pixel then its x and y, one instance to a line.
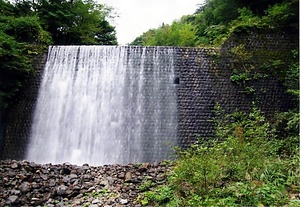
pixel 138 16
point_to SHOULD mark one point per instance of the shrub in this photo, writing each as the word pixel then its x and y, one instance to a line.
pixel 241 167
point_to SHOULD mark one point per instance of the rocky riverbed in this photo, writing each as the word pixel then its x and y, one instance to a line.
pixel 24 183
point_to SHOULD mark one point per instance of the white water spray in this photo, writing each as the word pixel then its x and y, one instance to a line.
pixel 105 105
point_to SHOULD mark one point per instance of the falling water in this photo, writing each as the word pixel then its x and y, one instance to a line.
pixel 105 105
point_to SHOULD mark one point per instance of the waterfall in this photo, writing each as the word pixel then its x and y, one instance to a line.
pixel 105 105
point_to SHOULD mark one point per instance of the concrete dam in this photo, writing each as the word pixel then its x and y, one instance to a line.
pixel 126 104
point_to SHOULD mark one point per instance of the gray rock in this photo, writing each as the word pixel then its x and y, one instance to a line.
pixel 76 187
pixel 104 183
pixel 11 173
pixel 24 187
pixel 13 183
pixel 13 199
pixel 86 178
pixel 91 189
pixel 121 175
pixel 77 202
pixel 61 190
pixel 60 204
pixel 123 201
pixel 110 180
pixel 128 176
pixel 35 185
pixel 69 192
pixel 15 192
pixel 45 171
pixel 52 183
pixel 28 168
pixel 44 177
pixel 66 179
pixel 73 176
pixel 46 196
pixel 95 201
pixel 125 195
pixel 14 165
pixel 35 199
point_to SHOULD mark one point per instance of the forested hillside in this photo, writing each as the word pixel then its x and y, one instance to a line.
pixel 215 20
pixel 27 27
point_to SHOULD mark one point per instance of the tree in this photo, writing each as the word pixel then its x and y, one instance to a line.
pixel 179 33
pixel 14 68
pixel 6 8
pixel 26 29
pixel 76 21
pixel 20 37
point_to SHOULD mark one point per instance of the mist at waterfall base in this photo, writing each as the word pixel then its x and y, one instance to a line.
pixel 105 105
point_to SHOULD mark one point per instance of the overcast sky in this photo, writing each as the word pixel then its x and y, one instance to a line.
pixel 138 16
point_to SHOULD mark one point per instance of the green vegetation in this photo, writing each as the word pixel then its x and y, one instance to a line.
pixel 76 22
pixel 216 20
pixel 28 27
pixel 249 163
pixel 160 195
pixel 146 185
pixel 177 34
pixel 252 161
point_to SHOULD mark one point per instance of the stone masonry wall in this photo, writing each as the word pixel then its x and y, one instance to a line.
pixel 17 119
pixel 203 79
pixel 204 76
